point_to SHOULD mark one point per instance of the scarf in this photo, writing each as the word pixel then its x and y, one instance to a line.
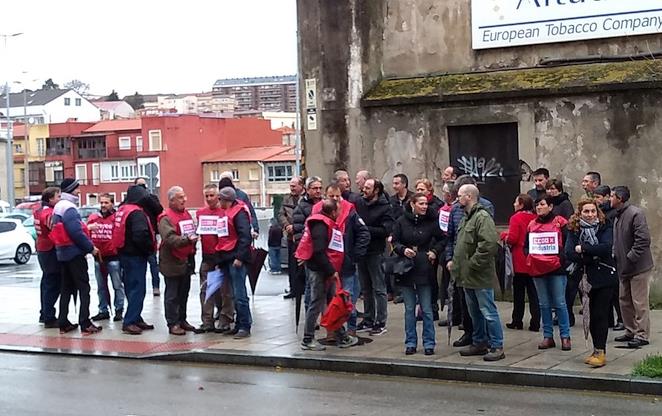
pixel 70 197
pixel 588 232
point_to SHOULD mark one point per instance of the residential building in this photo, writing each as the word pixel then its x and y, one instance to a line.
pixel 51 106
pixel 261 172
pixel 33 152
pixel 277 93
pixel 111 110
pixel 204 103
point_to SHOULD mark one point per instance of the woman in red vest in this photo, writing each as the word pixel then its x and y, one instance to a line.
pixel 515 237
pixel 545 260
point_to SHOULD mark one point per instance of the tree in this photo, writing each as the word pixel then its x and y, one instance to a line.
pixel 50 85
pixel 136 101
pixel 77 85
pixel 112 96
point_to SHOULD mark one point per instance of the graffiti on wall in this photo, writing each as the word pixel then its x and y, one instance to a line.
pixel 480 168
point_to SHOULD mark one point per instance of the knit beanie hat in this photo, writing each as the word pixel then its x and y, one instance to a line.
pixel 227 194
pixel 69 185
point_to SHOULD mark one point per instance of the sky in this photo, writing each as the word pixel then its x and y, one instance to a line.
pixel 147 46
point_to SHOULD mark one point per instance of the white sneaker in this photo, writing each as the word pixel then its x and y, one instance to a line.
pixel 349 341
pixel 312 346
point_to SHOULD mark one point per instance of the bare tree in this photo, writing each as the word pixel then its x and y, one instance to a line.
pixel 77 85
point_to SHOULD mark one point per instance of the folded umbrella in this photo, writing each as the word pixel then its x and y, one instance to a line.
pixel 585 289
pixel 258 255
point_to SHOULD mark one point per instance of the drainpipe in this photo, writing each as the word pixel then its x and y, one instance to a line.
pixel 263 185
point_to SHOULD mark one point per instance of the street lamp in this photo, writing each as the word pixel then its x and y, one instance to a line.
pixel 26 136
pixel 9 151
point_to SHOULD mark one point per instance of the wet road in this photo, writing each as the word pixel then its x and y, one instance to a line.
pixel 58 385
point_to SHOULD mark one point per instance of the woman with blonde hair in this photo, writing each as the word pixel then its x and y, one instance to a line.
pixel 589 247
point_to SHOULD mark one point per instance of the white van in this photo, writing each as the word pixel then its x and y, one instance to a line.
pixel 5 208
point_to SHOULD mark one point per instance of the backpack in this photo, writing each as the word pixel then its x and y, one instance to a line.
pixel 338 310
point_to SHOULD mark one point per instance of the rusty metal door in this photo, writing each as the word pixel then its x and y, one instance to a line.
pixel 489 153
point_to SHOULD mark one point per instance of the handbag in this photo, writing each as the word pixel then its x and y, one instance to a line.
pixel 338 310
pixel 510 269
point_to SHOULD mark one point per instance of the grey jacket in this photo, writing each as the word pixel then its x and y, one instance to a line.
pixel 632 242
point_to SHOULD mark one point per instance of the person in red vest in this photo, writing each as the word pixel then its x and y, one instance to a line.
pixel 135 241
pixel 49 286
pixel 72 244
pixel 233 253
pixel 322 248
pixel 107 262
pixel 177 259
pixel 208 232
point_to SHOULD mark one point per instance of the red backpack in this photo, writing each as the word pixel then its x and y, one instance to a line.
pixel 338 310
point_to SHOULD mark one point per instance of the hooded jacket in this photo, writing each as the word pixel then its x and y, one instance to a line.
pixel 138 238
pixel 562 206
pixel 457 213
pixel 377 216
pixel 398 205
pixel 475 250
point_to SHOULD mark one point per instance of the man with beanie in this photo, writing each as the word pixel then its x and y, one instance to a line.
pixel 50 278
pixel 177 259
pixel 226 180
pixel 134 238
pixel 153 208
pixel 72 244
pixel 234 252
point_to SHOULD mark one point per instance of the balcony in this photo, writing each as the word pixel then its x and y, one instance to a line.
pixel 99 153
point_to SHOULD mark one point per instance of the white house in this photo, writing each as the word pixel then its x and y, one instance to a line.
pixel 112 110
pixel 51 106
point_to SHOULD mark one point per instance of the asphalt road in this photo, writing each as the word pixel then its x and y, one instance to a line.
pixel 58 385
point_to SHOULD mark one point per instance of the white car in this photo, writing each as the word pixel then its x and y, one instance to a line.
pixel 16 243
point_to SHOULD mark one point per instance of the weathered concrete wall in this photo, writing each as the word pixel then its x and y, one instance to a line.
pixel 434 36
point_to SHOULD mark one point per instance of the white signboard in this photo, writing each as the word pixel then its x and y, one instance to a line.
pixel 311 93
pixel 504 23
pixel 544 243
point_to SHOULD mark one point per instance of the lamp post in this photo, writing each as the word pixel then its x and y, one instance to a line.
pixel 26 137
pixel 9 149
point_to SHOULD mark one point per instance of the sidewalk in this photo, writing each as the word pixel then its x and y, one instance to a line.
pixel 275 343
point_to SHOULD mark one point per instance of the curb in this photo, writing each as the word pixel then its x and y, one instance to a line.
pixel 397 368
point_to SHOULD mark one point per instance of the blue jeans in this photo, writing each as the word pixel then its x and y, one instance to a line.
pixel 551 294
pixel 373 285
pixel 349 283
pixel 274 259
pixel 238 281
pixel 422 293
pixel 135 268
pixel 49 286
pixel 101 271
pixel 154 270
pixel 485 317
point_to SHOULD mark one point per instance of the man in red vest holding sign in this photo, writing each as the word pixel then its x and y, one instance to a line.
pixel 101 226
pixel 177 259
pixel 50 278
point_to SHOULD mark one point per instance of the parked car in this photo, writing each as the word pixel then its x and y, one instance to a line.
pixel 26 220
pixel 87 210
pixel 15 241
pixel 27 208
pixel 4 208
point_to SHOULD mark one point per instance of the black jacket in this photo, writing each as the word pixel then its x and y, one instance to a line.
pixel 535 194
pixel 350 196
pixel 275 235
pixel 597 260
pixel 299 216
pixel 138 238
pixel 422 233
pixel 377 216
pixel 610 213
pixel 398 206
pixel 319 261
pixel 433 208
pixel 242 250
pixel 562 206
pixel 356 240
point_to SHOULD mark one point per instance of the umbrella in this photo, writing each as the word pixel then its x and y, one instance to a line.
pixel 258 255
pixel 299 289
pixel 214 282
pixel 450 293
pixel 585 288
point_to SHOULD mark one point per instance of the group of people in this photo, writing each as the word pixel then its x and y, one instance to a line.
pixel 428 251
pixel 123 240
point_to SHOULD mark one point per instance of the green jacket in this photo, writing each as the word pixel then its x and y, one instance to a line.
pixel 475 250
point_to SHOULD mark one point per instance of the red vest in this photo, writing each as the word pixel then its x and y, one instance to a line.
pixel 209 241
pixel 102 236
pixel 334 251
pixel 184 225
pixel 42 222
pixel 227 233
pixel 545 246
pixel 346 208
pixel 119 230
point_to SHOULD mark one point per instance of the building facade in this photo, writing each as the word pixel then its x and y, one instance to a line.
pixel 413 86
pixel 263 93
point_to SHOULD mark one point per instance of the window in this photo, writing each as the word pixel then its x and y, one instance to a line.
pixel 54 172
pixel 78 102
pixel 279 173
pixel 91 148
pixel 96 173
pixel 92 199
pixel 254 175
pixel 119 171
pixel 58 146
pixel 215 175
pixel 41 147
pixel 154 140
pixel 18 148
pixel 235 174
pixel 125 143
pixel 139 143
pixel 81 173
pixel 67 101
pixel 6 226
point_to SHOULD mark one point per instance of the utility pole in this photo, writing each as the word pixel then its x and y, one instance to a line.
pixel 10 146
pixel 26 139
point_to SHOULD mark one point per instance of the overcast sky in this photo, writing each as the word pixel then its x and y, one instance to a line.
pixel 146 45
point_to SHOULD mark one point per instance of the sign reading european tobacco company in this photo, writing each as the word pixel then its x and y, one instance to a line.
pixel 503 23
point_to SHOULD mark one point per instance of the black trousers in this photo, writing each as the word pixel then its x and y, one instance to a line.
pixel 291 264
pixel 175 299
pixel 524 283
pixel 466 318
pixel 571 290
pixel 615 306
pixel 75 279
pixel 600 306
